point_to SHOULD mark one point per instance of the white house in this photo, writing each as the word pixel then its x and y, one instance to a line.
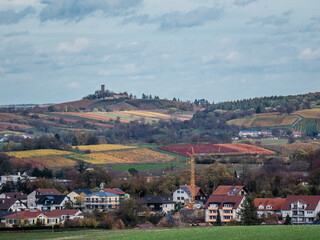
pixel 183 194
pixel 52 202
pixel 269 205
pixel 35 195
pixel 301 209
pixel 12 205
pixel 159 204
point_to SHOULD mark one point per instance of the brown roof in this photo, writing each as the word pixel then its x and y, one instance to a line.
pixel 17 195
pixel 311 201
pixel 114 191
pixel 275 203
pixel 187 188
pixel 220 200
pixel 60 212
pixel 228 190
pixel 48 191
pixel 6 203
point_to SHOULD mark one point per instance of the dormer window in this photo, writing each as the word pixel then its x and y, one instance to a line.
pixel 269 207
pixel 261 207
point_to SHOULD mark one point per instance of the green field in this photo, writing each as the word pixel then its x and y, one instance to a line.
pixel 217 233
pixel 146 166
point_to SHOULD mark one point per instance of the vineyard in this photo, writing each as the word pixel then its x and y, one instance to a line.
pixel 103 147
pixel 38 153
pixel 141 155
pixel 309 113
pixel 15 126
pixel 9 116
pixel 264 120
pixel 216 149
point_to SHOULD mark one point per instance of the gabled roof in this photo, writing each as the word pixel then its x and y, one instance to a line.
pixel 274 203
pixel 311 201
pixel 26 214
pixel 187 189
pixel 17 195
pixel 6 203
pixel 85 191
pixel 220 200
pixel 117 191
pixel 102 194
pixel 156 199
pixel 60 212
pixel 228 190
pixel 56 199
pixel 48 191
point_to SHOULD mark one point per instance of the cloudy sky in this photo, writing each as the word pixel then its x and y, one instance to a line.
pixel 61 50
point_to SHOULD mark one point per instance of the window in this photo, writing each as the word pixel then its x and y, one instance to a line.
pixel 109 200
pixel 269 207
pixel 102 199
pixel 178 198
pixel 227 217
pixel 213 217
pixel 182 198
pixel 228 205
pixel 178 191
pixel 309 212
pixel 213 211
pixel 227 211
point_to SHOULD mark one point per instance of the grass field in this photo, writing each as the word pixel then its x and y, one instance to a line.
pixel 146 166
pixel 220 233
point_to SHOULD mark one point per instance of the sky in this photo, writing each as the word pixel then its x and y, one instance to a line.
pixel 54 51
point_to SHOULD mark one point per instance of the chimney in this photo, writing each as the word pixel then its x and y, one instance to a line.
pixel 18 173
pixel 102 88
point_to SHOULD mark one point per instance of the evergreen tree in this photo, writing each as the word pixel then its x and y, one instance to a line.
pixel 218 222
pixel 288 220
pixel 248 212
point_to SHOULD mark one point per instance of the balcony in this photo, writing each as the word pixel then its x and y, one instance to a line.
pixel 212 208
pixel 227 208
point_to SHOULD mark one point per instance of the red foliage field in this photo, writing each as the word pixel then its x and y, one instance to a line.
pixel 24 161
pixel 216 149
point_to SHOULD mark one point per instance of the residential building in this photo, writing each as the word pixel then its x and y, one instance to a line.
pixel 183 194
pixel 16 195
pixel 52 202
pixel 102 201
pixel 159 204
pixel 36 216
pixel 15 178
pixel 230 190
pixel 301 209
pixel 12 205
pixel 33 197
pixel 269 205
pixel 255 133
pixel 228 206
pixel 77 197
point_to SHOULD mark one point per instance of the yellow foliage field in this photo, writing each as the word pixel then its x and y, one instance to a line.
pixel 103 147
pixel 140 155
pixel 54 161
pixel 38 153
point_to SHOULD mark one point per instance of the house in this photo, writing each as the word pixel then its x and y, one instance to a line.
pixel 12 205
pixel 183 194
pixel 77 197
pixel 15 178
pixel 36 216
pixel 28 217
pixel 302 177
pixel 159 204
pixel 227 206
pixel 117 191
pixel 296 134
pixel 230 190
pixel 65 214
pixel 52 202
pixel 269 205
pixel 301 209
pixel 102 201
pixel 16 195
pixel 33 197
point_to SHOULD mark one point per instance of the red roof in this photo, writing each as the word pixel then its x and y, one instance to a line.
pixel 26 214
pixel 60 212
pixel 311 201
pixel 220 200
pixel 228 190
pixel 48 191
pixel 275 203
pixel 114 191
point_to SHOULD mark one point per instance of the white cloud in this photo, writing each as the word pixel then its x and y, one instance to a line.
pixel 309 54
pixel 127 69
pixel 79 45
pixel 233 55
pixel 73 85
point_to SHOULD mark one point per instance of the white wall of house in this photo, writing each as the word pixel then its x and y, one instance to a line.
pixel 179 195
pixel 167 207
pixel 299 214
